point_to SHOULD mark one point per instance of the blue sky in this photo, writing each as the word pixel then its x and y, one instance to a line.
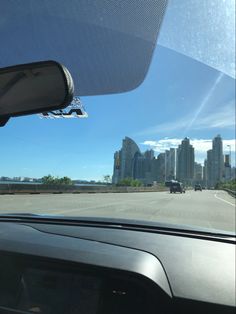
pixel 179 97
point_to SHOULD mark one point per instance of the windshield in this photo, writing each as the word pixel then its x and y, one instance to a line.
pixel 122 158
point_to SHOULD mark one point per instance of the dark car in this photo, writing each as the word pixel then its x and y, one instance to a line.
pixel 169 183
pixel 177 187
pixel 198 187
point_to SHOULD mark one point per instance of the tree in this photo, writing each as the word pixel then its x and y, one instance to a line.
pixel 50 180
pixel 136 183
pixel 66 181
pixel 231 185
pixel 130 182
pixel 107 179
pixel 125 182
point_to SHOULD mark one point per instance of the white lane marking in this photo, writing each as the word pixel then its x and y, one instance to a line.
pixel 219 198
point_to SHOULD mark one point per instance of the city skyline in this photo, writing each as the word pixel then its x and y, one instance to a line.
pixel 164 147
pixel 178 98
pixel 201 146
pixel 173 164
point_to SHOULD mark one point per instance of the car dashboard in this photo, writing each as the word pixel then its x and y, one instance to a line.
pixel 85 268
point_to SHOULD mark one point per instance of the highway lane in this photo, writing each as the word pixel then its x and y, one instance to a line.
pixel 211 209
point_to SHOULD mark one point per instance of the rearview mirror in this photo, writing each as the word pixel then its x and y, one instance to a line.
pixel 34 88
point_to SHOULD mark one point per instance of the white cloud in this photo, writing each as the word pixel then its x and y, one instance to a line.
pixel 225 118
pixel 218 119
pixel 201 146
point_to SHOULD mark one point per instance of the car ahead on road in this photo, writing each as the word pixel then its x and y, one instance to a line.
pixel 169 183
pixel 177 187
pixel 198 187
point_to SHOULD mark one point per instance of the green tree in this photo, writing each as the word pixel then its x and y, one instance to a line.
pixel 231 185
pixel 50 180
pixel 66 181
pixel 130 182
pixel 107 178
pixel 136 183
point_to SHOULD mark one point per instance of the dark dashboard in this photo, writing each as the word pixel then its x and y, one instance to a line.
pixel 48 267
pixel 30 285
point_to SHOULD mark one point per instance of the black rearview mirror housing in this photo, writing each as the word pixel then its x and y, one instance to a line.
pixel 34 88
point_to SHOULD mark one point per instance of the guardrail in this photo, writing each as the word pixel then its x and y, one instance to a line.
pixel 59 189
pixel 231 192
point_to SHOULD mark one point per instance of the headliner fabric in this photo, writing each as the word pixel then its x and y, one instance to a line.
pixel 107 45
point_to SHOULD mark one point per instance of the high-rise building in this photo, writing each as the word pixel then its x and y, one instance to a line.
pixel 128 151
pixel 161 167
pixel 198 173
pixel 129 162
pixel 215 163
pixel 185 162
pixel 170 164
pixel 117 167
pixel 227 160
pixel 227 168
pixel 142 169
pixel 217 160
pixel 154 169
pixel 205 173
pixel 139 167
pixel 209 170
pixel 124 160
pixel 233 173
pixel 149 154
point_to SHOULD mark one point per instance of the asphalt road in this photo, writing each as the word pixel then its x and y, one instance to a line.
pixel 211 209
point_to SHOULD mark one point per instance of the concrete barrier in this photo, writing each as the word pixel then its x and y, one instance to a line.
pixel 231 192
pixel 59 189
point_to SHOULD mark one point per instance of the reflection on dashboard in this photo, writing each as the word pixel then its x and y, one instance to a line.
pixel 44 291
pixel 30 285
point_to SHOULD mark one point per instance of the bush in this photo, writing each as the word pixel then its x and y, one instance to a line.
pixel 50 180
pixel 136 183
pixel 231 185
pixel 130 182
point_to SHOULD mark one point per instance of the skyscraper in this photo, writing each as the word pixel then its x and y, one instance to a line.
pixel 139 167
pixel 205 173
pixel 209 170
pixel 227 168
pixel 217 160
pixel 154 169
pixel 142 167
pixel 117 167
pixel 149 154
pixel 185 162
pixel 170 164
pixel 161 167
pixel 198 172
pixel 128 151
pixel 124 160
pixel 227 160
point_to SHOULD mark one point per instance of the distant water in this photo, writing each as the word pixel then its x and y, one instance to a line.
pixel 17 182
pixel 77 184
